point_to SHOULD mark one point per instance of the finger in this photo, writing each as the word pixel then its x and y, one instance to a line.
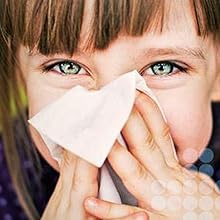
pixel 133 175
pixel 136 216
pixel 107 210
pixel 83 184
pixel 158 127
pixel 77 170
pixel 76 182
pixel 142 145
pixel 67 171
pixel 86 173
pixel 78 178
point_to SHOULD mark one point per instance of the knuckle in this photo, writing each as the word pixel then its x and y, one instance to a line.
pixel 80 184
pixel 69 160
pixel 166 132
pixel 76 184
pixel 174 165
pixel 151 103
pixel 144 97
pixel 137 174
pixel 108 211
pixel 141 174
pixel 149 141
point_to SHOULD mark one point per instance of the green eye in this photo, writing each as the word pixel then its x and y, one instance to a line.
pixel 68 68
pixel 65 68
pixel 162 68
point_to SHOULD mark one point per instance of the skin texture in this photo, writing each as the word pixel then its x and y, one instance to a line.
pixel 185 98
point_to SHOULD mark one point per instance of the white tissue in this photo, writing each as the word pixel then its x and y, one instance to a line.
pixel 87 123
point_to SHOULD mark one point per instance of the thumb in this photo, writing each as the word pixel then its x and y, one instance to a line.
pixel 107 210
pixel 136 216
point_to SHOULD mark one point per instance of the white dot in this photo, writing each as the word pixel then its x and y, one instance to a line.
pixel 206 216
pixel 206 203
pixel 190 203
pixel 158 187
pixel 174 203
pixel 190 216
pixel 174 187
pixel 190 155
pixel 217 203
pixel 190 187
pixel 205 188
pixel 158 203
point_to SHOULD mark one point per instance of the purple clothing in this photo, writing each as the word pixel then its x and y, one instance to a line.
pixel 42 189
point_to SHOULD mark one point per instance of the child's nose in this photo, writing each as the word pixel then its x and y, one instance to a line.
pixel 110 71
pixel 113 62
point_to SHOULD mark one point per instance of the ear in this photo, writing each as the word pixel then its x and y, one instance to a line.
pixel 215 94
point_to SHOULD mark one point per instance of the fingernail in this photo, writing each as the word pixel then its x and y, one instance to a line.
pixel 140 216
pixel 91 203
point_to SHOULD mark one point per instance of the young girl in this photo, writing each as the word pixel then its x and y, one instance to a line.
pixel 48 47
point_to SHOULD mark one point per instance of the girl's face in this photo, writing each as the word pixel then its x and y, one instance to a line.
pixel 178 65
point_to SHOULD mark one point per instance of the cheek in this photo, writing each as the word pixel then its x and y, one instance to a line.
pixel 39 96
pixel 37 100
pixel 42 91
pixel 190 122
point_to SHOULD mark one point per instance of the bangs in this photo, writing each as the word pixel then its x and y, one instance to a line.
pixel 55 26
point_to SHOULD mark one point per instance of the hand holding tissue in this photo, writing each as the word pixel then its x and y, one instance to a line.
pixel 87 123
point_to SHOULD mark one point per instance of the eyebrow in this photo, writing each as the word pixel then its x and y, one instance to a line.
pixel 34 54
pixel 195 53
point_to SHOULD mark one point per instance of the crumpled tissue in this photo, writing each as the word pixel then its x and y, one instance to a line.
pixel 87 123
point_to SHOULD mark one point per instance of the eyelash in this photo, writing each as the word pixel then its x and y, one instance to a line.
pixel 173 64
pixel 47 68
